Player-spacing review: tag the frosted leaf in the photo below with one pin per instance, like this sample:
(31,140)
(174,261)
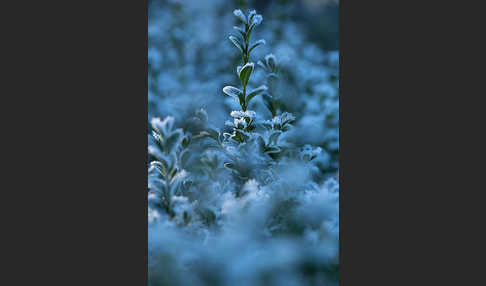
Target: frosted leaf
(173,141)
(245,73)
(241,35)
(256,44)
(235,42)
(271,61)
(241,30)
(159,166)
(308,152)
(157,136)
(235,93)
(240,123)
(179,176)
(232,91)
(272,150)
(237,113)
(286,117)
(243,114)
(273,138)
(262,65)
(163,126)
(280,121)
(153,151)
(242,133)
(257,19)
(255,92)
(238,13)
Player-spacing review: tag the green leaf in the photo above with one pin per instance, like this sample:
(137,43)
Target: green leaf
(245,73)
(235,93)
(255,92)
(237,44)
(259,42)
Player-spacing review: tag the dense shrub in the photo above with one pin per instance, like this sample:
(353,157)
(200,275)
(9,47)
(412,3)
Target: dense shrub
(243,152)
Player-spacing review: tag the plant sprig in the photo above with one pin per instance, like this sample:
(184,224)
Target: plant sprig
(242,42)
(243,121)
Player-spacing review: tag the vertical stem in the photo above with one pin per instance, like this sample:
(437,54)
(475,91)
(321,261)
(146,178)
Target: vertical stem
(246,56)
(244,96)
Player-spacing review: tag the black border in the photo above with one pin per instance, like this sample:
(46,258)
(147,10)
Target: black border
(77,86)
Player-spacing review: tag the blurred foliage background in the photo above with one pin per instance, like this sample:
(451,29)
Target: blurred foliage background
(223,214)
(320,18)
(191,60)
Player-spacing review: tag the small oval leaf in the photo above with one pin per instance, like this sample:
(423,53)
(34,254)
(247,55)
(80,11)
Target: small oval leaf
(256,20)
(245,73)
(232,91)
(238,13)
(271,61)
(240,31)
(235,93)
(255,92)
(237,44)
(256,44)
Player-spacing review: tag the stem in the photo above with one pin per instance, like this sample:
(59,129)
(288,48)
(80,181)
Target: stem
(246,56)
(243,107)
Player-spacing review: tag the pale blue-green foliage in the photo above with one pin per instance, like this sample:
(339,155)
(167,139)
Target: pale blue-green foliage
(243,150)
